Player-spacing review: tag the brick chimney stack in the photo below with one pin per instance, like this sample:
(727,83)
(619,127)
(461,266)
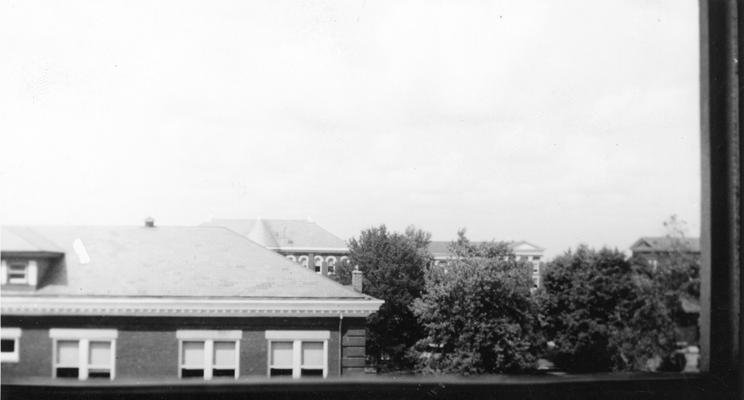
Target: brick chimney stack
(149,222)
(357,279)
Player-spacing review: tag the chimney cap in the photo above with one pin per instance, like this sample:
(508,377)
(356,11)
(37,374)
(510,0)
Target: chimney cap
(149,222)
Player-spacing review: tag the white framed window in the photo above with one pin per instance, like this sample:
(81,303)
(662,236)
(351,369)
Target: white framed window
(84,353)
(304,261)
(208,354)
(318,263)
(292,258)
(297,353)
(344,260)
(10,340)
(19,272)
(331,261)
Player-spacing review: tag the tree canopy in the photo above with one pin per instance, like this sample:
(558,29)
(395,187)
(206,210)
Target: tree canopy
(602,314)
(477,312)
(393,265)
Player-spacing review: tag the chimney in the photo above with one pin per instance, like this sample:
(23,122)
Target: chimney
(149,222)
(357,279)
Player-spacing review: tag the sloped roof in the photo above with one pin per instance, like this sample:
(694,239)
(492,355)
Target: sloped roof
(283,234)
(24,240)
(169,261)
(649,244)
(439,249)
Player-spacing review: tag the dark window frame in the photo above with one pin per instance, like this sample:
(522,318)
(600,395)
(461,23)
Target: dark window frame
(722,320)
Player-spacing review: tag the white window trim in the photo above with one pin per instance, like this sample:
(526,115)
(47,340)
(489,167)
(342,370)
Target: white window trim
(304,261)
(30,276)
(297,338)
(331,262)
(13,334)
(208,337)
(298,335)
(292,258)
(84,337)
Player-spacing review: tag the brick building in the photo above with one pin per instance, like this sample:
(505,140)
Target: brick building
(162,303)
(654,249)
(665,250)
(301,241)
(523,250)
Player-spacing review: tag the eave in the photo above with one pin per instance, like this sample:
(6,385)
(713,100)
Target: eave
(175,307)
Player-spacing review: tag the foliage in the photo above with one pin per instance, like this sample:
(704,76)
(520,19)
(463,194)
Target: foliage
(676,273)
(477,312)
(393,265)
(680,269)
(603,314)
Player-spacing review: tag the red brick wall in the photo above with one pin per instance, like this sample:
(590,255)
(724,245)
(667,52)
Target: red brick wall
(148,348)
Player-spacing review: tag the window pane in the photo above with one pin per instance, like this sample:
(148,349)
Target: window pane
(281,372)
(193,353)
(223,372)
(312,353)
(67,353)
(99,353)
(67,372)
(312,372)
(281,354)
(99,373)
(224,354)
(8,346)
(17,268)
(192,373)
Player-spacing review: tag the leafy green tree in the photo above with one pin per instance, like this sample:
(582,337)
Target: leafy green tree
(603,314)
(676,273)
(679,269)
(393,265)
(477,312)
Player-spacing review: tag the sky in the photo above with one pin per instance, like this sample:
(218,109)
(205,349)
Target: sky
(558,123)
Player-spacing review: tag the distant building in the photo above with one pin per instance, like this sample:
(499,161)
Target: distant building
(301,241)
(154,303)
(656,250)
(523,250)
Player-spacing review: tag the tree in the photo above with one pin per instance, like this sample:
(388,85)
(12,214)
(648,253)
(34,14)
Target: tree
(676,273)
(680,268)
(603,314)
(477,312)
(393,265)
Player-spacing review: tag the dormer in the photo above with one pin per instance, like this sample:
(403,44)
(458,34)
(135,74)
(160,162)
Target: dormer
(24,271)
(25,258)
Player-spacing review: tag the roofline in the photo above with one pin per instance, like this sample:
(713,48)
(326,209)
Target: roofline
(32,253)
(311,249)
(180,307)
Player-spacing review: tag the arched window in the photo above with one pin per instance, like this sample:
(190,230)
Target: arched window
(331,261)
(292,258)
(304,260)
(318,262)
(344,260)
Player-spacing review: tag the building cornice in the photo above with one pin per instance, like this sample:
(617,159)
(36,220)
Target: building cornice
(178,307)
(339,250)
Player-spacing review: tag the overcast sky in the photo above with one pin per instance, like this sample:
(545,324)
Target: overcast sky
(557,122)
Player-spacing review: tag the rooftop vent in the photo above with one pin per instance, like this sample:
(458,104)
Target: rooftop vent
(149,222)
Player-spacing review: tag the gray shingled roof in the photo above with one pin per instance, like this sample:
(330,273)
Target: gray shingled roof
(650,244)
(168,261)
(283,234)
